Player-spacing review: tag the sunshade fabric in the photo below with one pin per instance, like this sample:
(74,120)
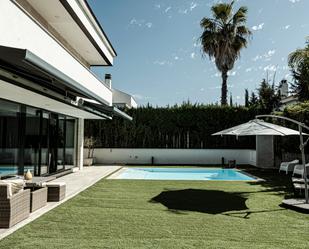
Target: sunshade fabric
(258,127)
(108,110)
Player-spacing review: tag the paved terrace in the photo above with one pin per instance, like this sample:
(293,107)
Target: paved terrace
(75,183)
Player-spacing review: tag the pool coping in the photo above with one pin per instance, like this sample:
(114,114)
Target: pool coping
(114,176)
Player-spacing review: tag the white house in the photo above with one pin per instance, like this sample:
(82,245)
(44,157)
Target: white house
(47,89)
(286,99)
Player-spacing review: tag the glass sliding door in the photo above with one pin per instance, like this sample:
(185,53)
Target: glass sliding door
(70,141)
(61,143)
(9,137)
(35,139)
(45,157)
(32,140)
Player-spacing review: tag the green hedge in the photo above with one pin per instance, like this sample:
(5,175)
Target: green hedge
(186,126)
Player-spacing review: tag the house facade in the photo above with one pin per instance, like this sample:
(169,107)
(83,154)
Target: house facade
(47,89)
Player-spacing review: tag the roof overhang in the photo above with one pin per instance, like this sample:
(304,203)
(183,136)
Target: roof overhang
(77,25)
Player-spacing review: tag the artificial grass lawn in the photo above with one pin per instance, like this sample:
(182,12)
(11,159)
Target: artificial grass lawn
(188,214)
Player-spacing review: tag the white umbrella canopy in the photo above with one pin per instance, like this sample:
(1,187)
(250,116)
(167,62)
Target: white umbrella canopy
(258,127)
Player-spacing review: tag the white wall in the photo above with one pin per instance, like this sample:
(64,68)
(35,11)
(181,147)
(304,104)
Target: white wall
(172,156)
(124,99)
(20,31)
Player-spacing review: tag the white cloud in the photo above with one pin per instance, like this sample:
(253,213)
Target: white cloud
(193,55)
(233,73)
(163,63)
(294,1)
(287,26)
(185,11)
(271,68)
(148,24)
(258,57)
(167,9)
(258,27)
(140,23)
(249,69)
(193,6)
(267,56)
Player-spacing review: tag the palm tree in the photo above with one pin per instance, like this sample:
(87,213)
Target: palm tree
(223,37)
(300,56)
(299,63)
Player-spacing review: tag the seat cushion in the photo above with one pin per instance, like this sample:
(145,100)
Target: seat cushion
(13,186)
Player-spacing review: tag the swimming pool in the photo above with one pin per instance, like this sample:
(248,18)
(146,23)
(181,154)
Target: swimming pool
(198,174)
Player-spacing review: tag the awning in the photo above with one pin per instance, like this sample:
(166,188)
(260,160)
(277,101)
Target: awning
(30,66)
(108,110)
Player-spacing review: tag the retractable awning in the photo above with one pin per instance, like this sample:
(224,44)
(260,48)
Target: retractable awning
(30,66)
(24,63)
(108,110)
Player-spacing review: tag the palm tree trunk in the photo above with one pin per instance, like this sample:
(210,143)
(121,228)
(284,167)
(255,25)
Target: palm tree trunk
(224,88)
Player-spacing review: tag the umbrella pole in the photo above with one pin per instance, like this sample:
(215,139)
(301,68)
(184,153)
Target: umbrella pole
(302,148)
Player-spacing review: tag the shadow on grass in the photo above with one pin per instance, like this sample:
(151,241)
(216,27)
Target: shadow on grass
(203,201)
(274,182)
(207,201)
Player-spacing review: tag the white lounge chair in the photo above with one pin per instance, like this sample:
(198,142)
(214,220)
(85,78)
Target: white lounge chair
(299,170)
(299,185)
(288,166)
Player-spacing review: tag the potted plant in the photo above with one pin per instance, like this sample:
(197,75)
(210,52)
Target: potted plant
(89,143)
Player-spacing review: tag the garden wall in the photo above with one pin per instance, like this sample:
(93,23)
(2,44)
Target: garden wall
(174,156)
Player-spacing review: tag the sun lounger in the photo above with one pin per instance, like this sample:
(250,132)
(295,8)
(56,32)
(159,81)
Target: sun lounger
(299,185)
(299,170)
(288,166)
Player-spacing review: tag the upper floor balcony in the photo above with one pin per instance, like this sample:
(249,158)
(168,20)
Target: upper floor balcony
(70,45)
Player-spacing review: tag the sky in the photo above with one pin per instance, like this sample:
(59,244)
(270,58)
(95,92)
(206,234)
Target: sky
(159,57)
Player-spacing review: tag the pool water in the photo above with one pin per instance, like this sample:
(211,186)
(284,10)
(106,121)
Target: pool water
(198,174)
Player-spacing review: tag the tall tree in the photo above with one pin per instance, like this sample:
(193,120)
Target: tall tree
(224,35)
(299,63)
(268,98)
(246,98)
(253,99)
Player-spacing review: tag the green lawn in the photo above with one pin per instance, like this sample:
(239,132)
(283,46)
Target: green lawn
(170,214)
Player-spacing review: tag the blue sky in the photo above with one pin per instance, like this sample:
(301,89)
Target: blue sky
(159,59)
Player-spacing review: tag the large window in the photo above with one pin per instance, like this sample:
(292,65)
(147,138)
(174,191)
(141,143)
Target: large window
(34,139)
(9,137)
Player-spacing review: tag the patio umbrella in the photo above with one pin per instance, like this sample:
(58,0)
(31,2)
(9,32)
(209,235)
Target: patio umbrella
(257,127)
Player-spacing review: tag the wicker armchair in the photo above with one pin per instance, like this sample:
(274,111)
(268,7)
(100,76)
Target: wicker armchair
(15,208)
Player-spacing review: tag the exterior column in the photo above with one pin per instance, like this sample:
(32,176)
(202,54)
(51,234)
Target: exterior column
(80,144)
(265,157)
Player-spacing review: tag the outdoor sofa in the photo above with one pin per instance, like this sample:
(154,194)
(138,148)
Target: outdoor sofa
(14,203)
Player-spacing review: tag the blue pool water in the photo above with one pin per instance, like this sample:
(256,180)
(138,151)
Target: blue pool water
(6,170)
(198,174)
